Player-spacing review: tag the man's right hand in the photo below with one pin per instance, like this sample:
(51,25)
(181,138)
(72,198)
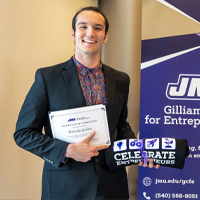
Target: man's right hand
(82,151)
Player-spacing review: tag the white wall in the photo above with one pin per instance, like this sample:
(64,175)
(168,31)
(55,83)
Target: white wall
(33,34)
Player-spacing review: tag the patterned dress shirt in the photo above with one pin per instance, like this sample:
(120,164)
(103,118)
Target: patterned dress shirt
(93,85)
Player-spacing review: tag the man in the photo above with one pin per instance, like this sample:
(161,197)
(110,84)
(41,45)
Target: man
(77,171)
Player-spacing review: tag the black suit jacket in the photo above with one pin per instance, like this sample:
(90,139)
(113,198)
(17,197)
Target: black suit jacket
(58,88)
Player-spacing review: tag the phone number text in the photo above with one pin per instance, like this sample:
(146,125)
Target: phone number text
(175,196)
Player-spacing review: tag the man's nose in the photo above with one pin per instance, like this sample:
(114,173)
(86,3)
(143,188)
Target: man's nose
(90,32)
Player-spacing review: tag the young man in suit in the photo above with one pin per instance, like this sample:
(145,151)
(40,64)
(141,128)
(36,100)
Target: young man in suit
(77,171)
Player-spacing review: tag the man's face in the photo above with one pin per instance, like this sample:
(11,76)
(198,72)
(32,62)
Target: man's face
(90,33)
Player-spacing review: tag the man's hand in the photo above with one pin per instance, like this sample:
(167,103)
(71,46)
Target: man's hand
(150,164)
(82,151)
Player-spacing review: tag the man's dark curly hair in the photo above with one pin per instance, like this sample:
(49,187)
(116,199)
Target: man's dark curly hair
(90,8)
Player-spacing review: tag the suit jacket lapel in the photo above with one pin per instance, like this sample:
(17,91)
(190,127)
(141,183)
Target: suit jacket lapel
(110,86)
(71,78)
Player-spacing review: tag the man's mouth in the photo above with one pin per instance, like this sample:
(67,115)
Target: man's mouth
(90,41)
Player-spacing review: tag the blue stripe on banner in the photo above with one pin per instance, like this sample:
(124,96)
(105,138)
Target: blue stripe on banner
(190,7)
(156,48)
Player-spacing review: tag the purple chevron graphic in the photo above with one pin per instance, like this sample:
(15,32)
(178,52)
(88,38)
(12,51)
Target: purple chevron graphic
(190,7)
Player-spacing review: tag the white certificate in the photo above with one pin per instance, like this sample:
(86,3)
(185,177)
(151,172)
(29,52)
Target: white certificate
(75,124)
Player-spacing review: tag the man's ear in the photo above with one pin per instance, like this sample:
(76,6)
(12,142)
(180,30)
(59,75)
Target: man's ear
(73,35)
(106,38)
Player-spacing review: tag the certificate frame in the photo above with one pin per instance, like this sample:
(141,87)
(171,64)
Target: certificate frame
(73,125)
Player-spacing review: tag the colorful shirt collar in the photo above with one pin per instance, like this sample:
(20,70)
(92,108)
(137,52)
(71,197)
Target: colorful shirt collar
(83,70)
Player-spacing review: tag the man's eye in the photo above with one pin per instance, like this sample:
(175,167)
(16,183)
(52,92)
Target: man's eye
(83,27)
(97,28)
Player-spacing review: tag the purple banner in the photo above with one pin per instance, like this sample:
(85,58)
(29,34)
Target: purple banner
(170,107)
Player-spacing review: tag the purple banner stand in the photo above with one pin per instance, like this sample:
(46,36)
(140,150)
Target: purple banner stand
(170,107)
